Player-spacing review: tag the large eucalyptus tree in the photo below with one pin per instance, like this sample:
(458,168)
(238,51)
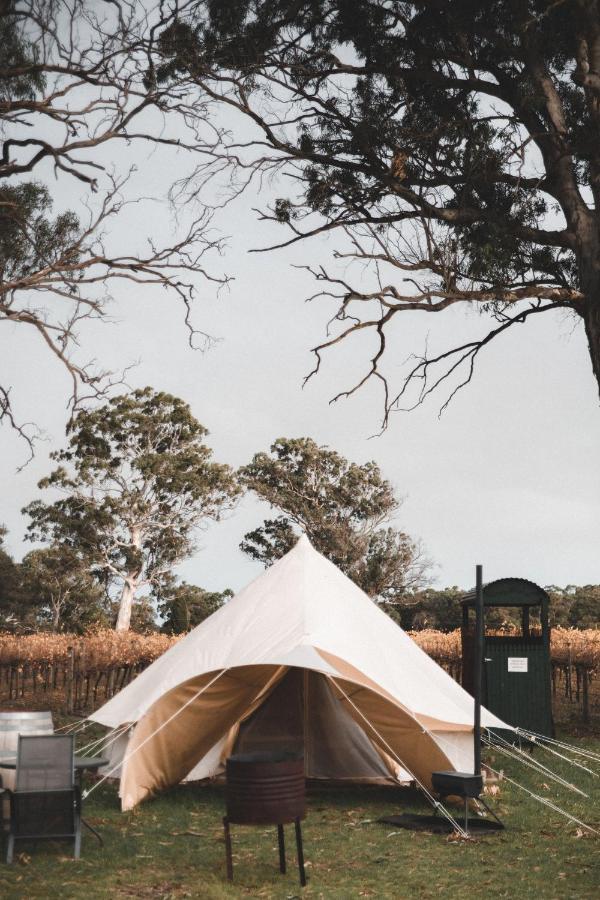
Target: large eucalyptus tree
(344,508)
(135,483)
(454,143)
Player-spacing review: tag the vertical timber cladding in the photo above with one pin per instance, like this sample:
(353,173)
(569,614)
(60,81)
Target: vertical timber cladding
(516,682)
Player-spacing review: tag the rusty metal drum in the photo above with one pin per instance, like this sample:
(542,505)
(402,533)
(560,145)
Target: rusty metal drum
(265,788)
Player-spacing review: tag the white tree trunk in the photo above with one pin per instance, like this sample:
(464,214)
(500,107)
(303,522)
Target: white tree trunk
(126,604)
(56,605)
(130,587)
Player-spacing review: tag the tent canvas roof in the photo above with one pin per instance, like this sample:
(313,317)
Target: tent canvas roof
(303,611)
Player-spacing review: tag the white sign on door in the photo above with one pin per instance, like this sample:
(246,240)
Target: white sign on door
(517,663)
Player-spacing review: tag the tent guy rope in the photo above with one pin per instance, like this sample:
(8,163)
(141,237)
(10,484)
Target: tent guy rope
(502,746)
(73,727)
(128,756)
(100,745)
(541,739)
(543,800)
(572,762)
(437,805)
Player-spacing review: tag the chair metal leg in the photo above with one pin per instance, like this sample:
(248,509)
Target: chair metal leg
(77,845)
(228,853)
(281,842)
(10,846)
(300,852)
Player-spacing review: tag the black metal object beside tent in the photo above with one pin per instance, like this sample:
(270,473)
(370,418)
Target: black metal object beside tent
(466,785)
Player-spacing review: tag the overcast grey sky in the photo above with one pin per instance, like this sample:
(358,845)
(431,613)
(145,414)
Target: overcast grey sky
(508,476)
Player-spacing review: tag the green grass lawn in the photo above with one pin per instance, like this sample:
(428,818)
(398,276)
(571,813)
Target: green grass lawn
(173,847)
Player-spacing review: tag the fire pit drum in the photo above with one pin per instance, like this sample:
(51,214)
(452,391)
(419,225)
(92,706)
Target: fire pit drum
(265,789)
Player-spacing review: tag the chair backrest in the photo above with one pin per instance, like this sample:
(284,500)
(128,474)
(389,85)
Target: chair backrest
(45,762)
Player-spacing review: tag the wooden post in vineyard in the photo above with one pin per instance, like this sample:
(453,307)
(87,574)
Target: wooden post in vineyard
(70,675)
(585,675)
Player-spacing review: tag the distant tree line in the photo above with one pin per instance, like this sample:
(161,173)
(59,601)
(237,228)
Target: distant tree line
(136,483)
(574,606)
(50,590)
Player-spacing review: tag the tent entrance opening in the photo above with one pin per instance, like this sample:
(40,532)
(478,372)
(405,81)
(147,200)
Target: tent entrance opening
(302,715)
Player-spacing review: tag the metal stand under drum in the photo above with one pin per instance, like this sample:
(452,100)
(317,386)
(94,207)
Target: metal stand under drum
(281,844)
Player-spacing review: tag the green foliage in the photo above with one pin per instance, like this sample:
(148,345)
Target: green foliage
(179,620)
(341,506)
(183,606)
(570,607)
(143,616)
(10,588)
(136,481)
(29,240)
(575,606)
(585,608)
(74,78)
(59,590)
(173,846)
(429,608)
(18,78)
(403,94)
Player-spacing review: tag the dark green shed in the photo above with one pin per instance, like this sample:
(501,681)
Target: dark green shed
(516,672)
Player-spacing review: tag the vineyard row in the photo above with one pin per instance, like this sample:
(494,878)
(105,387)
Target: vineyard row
(81,673)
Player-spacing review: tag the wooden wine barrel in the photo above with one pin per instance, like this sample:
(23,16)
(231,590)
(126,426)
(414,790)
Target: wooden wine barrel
(265,788)
(14,723)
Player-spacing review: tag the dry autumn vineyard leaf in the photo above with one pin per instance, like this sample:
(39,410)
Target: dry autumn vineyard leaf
(106,649)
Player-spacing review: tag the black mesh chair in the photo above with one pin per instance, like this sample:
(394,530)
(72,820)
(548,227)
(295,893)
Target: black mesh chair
(46,801)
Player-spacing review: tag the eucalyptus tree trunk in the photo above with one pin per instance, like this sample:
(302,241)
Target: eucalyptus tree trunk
(56,605)
(592,329)
(589,272)
(132,579)
(126,603)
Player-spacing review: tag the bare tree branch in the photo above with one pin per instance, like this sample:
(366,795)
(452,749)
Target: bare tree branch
(75,77)
(459,163)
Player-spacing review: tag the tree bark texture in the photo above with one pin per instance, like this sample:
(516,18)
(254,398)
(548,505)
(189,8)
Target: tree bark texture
(132,579)
(126,604)
(592,330)
(589,273)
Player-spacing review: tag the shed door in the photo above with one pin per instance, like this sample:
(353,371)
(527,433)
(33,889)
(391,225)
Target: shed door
(517,681)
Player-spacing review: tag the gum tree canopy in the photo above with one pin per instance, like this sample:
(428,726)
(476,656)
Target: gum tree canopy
(456,143)
(344,508)
(136,482)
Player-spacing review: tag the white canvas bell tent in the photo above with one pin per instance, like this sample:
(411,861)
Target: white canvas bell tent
(301,659)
